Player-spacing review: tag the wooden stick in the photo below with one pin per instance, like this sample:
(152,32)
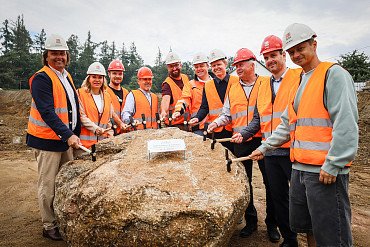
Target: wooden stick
(85,149)
(223,139)
(240,159)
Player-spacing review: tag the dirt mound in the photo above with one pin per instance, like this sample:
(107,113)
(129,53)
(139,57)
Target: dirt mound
(14,111)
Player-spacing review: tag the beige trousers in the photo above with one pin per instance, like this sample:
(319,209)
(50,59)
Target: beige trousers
(49,164)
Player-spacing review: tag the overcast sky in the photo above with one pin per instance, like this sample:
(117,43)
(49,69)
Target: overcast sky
(195,26)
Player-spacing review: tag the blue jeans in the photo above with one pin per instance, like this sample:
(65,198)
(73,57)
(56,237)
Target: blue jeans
(323,210)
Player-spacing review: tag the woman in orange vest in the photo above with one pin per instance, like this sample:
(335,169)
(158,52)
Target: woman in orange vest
(95,107)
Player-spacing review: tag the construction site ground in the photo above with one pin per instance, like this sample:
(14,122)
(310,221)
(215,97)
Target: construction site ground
(20,223)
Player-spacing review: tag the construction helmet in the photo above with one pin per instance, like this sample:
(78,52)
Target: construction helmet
(200,58)
(215,55)
(243,54)
(295,34)
(96,68)
(116,64)
(55,42)
(172,58)
(144,72)
(271,43)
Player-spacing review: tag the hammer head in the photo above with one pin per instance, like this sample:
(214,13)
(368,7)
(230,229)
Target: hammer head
(132,122)
(93,153)
(158,120)
(114,126)
(228,165)
(213,141)
(205,132)
(170,118)
(143,118)
(186,115)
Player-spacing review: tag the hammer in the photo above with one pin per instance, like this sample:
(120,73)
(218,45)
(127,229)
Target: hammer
(132,123)
(214,140)
(143,118)
(92,152)
(230,161)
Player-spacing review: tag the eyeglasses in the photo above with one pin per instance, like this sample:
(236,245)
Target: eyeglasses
(173,66)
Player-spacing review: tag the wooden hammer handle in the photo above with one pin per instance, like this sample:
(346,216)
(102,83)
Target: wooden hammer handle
(224,139)
(241,159)
(85,149)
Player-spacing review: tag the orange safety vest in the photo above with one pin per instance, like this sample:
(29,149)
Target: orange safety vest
(242,107)
(176,95)
(214,102)
(269,112)
(192,98)
(116,104)
(311,127)
(36,125)
(87,137)
(142,106)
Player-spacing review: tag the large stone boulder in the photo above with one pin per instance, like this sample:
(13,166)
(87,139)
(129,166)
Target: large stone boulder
(125,199)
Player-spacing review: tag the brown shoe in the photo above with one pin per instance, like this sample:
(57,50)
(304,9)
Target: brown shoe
(52,234)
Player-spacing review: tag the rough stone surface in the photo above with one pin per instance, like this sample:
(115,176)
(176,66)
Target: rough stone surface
(124,199)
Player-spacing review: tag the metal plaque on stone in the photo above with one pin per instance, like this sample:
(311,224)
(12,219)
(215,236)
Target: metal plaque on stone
(168,145)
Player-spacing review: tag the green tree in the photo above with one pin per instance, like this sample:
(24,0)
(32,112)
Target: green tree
(7,37)
(87,57)
(187,69)
(73,45)
(159,72)
(357,64)
(39,42)
(134,63)
(105,55)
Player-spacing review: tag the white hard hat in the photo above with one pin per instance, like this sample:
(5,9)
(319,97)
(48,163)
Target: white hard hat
(55,42)
(295,34)
(200,58)
(215,55)
(96,68)
(172,58)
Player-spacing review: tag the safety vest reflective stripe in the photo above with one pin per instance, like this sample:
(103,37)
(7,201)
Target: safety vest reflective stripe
(319,146)
(90,138)
(275,115)
(314,122)
(215,111)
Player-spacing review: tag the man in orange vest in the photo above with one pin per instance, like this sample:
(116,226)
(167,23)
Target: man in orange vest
(53,126)
(191,97)
(239,105)
(321,124)
(213,97)
(272,101)
(116,91)
(172,89)
(141,104)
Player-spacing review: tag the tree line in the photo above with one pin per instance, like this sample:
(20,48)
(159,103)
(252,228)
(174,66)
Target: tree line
(20,57)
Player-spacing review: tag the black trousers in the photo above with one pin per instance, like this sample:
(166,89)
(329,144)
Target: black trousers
(244,149)
(278,171)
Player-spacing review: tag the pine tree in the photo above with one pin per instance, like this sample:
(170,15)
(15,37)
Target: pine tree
(7,37)
(40,42)
(357,64)
(73,46)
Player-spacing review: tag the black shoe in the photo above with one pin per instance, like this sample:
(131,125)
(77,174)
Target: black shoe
(273,234)
(247,231)
(52,234)
(292,243)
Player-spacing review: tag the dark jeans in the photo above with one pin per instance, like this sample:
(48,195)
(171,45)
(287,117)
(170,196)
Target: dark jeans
(244,149)
(323,210)
(278,171)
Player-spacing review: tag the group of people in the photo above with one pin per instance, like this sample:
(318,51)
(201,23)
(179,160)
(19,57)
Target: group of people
(300,125)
